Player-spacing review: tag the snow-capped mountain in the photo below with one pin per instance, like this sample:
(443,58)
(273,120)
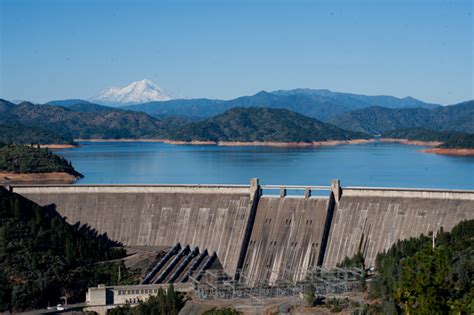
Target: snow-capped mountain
(137,92)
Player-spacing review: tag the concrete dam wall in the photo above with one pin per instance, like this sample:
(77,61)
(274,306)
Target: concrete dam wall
(210,217)
(267,238)
(371,220)
(286,239)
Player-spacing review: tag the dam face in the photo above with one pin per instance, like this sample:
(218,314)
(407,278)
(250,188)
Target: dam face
(263,239)
(285,240)
(372,220)
(212,218)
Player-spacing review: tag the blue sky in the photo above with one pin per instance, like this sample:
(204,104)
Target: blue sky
(224,49)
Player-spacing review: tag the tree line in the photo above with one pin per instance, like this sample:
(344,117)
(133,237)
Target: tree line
(25,159)
(43,258)
(419,276)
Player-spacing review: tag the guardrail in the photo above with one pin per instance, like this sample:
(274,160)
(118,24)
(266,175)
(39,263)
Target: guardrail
(307,190)
(295,187)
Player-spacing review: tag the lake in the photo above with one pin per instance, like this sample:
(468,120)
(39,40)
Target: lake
(371,164)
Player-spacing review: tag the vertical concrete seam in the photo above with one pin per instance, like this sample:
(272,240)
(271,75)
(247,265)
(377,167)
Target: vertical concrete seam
(327,229)
(248,230)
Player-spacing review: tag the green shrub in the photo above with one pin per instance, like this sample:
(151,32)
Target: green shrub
(165,302)
(222,311)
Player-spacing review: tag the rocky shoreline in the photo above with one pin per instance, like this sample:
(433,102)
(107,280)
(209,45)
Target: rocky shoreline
(239,143)
(54,146)
(37,178)
(294,144)
(455,152)
(119,140)
(412,142)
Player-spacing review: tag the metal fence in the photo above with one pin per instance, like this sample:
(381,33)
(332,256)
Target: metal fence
(216,285)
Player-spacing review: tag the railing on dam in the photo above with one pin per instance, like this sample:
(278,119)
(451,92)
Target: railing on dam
(110,188)
(295,190)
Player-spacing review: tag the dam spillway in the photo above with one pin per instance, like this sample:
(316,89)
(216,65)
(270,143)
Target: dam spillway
(286,238)
(260,238)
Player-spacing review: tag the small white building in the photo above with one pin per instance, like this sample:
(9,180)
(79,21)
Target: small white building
(128,294)
(102,298)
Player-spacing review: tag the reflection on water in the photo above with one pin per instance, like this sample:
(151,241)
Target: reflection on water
(372,164)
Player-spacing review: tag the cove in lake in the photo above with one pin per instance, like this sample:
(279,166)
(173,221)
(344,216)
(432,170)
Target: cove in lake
(371,164)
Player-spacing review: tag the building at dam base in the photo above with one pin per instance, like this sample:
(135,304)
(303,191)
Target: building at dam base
(259,238)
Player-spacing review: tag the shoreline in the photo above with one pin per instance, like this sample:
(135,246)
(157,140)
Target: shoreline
(238,143)
(294,144)
(453,152)
(119,140)
(37,178)
(54,146)
(431,144)
(411,142)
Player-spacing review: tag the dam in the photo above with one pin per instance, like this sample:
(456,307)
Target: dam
(260,234)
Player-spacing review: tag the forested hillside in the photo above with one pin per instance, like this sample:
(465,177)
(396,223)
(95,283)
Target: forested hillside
(86,120)
(423,134)
(462,142)
(261,124)
(26,159)
(376,120)
(43,258)
(414,277)
(450,139)
(14,132)
(94,121)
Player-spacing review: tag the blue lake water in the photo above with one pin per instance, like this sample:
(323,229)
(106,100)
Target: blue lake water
(373,164)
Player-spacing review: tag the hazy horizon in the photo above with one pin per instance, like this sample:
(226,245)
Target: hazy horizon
(61,50)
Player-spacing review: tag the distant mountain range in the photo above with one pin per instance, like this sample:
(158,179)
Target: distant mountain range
(81,106)
(350,99)
(315,114)
(134,93)
(374,120)
(319,104)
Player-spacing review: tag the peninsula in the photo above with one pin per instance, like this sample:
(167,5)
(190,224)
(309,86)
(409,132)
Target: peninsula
(25,164)
(443,142)
(461,146)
